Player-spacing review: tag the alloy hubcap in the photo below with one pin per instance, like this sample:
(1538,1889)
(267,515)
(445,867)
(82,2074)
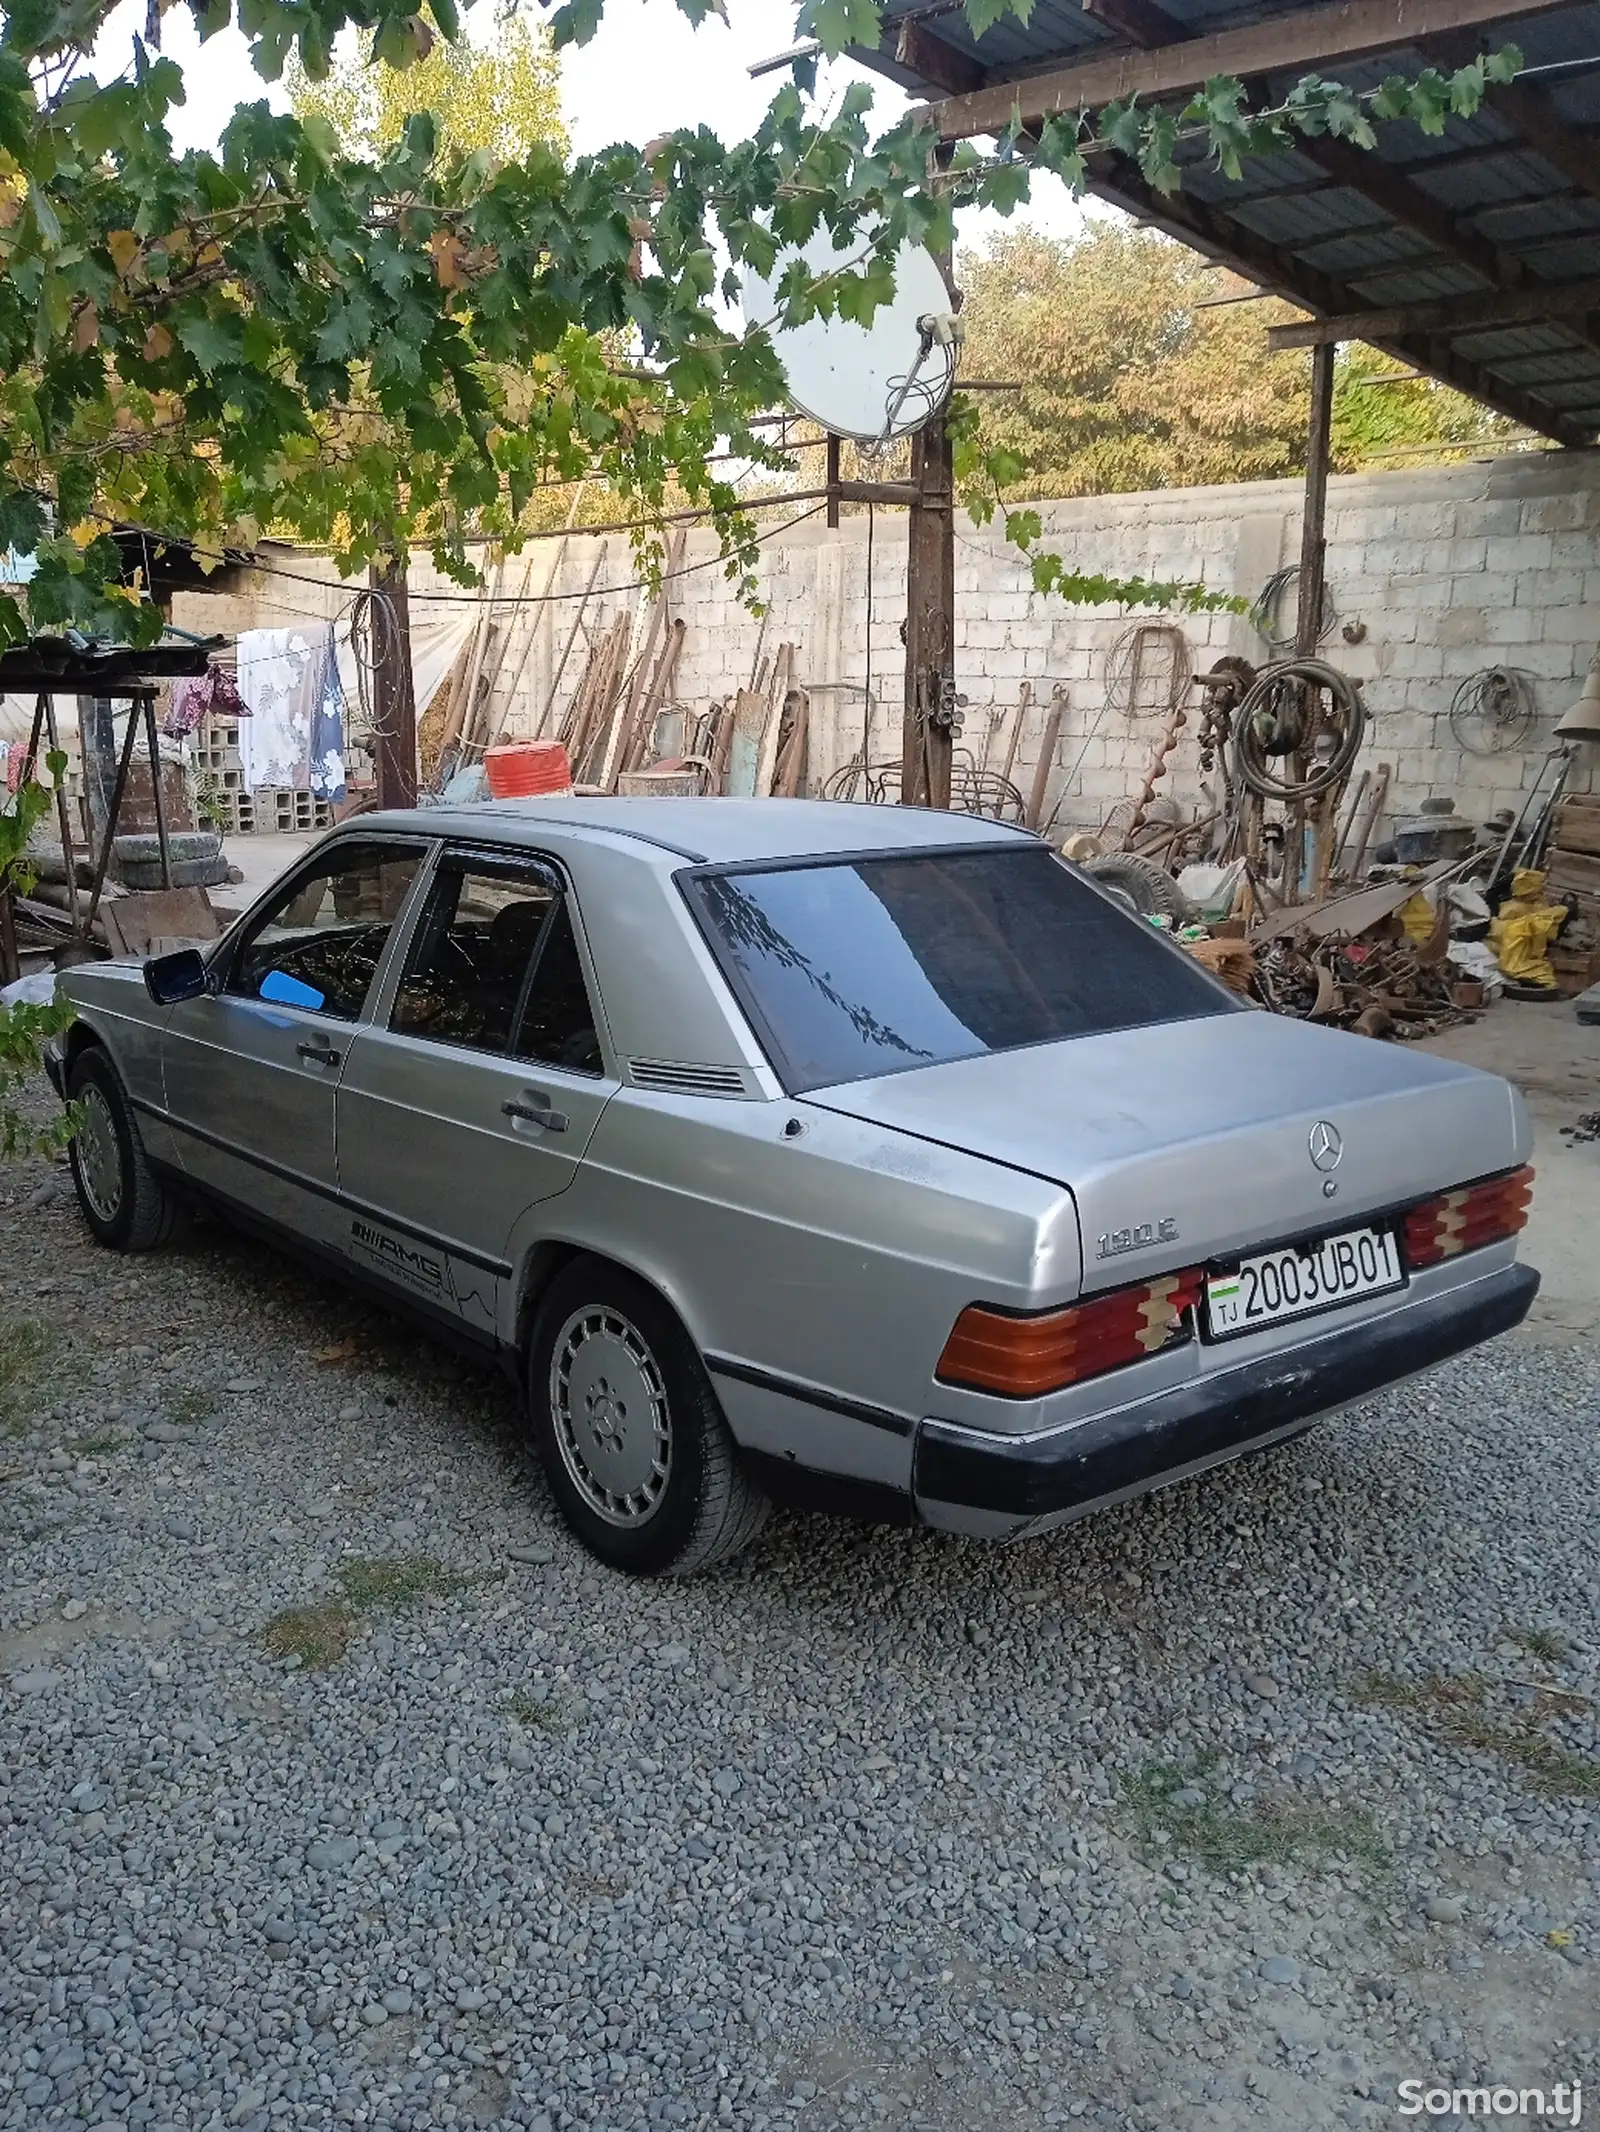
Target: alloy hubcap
(98,1156)
(609,1405)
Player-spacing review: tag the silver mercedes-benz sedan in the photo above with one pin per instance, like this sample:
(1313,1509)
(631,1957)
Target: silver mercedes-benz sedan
(850,1156)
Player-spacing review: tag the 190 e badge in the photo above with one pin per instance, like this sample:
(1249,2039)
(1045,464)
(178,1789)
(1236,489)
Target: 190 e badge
(1139,1238)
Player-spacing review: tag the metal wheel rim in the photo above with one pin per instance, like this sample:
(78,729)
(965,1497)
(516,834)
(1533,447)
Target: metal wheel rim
(613,1427)
(98,1156)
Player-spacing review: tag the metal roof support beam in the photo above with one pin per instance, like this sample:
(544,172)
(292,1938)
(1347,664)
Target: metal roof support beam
(1543,129)
(1364,172)
(1308,38)
(1196,224)
(1448,315)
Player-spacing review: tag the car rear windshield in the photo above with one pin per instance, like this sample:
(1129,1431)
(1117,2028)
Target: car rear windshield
(852,968)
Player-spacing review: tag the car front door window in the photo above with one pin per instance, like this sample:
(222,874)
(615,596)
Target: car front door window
(319,945)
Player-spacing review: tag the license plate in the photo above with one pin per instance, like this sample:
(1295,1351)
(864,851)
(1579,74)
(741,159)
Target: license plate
(1301,1279)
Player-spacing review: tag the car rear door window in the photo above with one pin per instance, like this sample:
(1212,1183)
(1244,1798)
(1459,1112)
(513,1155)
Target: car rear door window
(495,967)
(852,968)
(318,945)
(472,955)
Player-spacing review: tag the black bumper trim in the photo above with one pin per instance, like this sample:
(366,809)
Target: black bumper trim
(1213,1417)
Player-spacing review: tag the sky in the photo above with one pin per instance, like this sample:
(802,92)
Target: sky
(645,72)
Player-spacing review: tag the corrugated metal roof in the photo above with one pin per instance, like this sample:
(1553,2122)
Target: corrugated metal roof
(1499,202)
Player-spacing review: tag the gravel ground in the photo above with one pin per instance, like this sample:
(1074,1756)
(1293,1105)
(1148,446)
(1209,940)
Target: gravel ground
(337,1786)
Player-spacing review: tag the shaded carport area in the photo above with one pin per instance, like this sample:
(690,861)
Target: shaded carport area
(1472,255)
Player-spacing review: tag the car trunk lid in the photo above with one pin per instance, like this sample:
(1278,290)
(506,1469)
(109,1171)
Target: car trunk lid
(1192,1140)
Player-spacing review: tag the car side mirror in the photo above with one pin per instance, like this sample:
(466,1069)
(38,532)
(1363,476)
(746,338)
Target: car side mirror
(178,976)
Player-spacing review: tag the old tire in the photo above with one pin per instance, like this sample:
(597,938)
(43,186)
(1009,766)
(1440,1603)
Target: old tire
(629,1430)
(122,1199)
(1148,890)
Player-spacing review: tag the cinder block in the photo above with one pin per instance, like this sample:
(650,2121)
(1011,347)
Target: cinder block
(1553,514)
(1579,623)
(1425,521)
(1549,590)
(1527,551)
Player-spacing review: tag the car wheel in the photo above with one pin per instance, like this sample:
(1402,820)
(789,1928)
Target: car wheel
(629,1429)
(122,1200)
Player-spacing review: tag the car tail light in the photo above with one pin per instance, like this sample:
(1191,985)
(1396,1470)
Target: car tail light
(1466,1219)
(995,1351)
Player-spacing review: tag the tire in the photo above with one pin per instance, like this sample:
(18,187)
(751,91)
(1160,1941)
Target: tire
(122,1200)
(1148,890)
(629,1430)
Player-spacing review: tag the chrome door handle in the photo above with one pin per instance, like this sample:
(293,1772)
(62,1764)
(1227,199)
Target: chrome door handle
(535,1110)
(317,1051)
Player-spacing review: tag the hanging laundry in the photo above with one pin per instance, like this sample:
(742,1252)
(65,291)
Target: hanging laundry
(195,698)
(290,681)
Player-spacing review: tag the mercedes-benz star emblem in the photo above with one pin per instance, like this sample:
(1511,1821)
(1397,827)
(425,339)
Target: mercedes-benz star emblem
(1326,1144)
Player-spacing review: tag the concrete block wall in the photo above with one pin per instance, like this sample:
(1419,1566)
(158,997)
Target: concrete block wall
(1445,571)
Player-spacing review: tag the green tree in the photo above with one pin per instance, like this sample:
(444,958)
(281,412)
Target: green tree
(283,333)
(1131,379)
(501,99)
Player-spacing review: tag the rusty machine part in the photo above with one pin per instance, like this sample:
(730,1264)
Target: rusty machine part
(1222,691)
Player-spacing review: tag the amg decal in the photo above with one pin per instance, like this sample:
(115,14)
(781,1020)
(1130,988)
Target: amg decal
(410,1263)
(1139,1238)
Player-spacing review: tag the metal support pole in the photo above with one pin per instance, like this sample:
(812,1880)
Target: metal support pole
(124,763)
(155,788)
(394,702)
(927,733)
(1313,531)
(1310,587)
(68,853)
(833,479)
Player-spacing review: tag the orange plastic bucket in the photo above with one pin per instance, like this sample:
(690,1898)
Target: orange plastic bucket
(522,769)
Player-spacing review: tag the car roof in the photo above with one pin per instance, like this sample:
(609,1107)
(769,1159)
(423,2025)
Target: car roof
(715,831)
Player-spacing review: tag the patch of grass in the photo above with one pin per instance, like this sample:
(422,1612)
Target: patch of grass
(97,1446)
(397,1580)
(322,1632)
(316,1635)
(1456,1707)
(537,1716)
(27,1350)
(1543,1644)
(1226,1839)
(194,1405)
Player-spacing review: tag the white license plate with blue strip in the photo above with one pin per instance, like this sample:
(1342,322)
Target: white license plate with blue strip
(1299,1280)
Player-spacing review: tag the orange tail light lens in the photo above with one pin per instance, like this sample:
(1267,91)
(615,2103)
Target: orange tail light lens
(991,1351)
(1467,1219)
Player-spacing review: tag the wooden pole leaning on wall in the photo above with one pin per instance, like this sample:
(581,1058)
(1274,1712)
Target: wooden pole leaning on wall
(394,703)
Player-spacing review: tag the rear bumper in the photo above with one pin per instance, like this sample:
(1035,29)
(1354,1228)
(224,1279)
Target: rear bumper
(969,1480)
(55,1066)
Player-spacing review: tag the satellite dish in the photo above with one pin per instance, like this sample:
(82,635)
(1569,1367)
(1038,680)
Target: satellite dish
(868,382)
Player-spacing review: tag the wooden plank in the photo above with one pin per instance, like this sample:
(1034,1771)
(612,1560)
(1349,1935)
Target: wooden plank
(1574,870)
(1453,314)
(749,725)
(766,766)
(1311,37)
(1578,828)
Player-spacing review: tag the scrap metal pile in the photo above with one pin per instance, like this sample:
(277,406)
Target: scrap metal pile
(1375,987)
(1280,880)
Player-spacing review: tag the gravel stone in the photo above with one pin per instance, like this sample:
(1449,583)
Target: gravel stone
(873,1829)
(36,1680)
